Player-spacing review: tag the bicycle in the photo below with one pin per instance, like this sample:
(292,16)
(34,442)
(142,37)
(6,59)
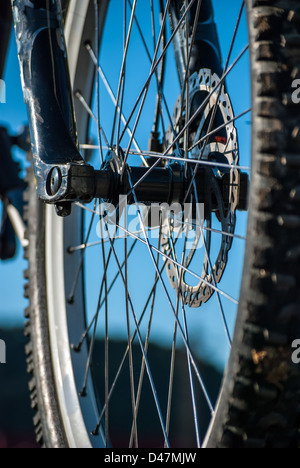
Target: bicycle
(193,159)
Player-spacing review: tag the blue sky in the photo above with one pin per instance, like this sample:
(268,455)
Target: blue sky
(13,114)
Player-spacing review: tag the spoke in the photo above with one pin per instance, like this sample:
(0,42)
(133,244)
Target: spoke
(90,355)
(81,99)
(146,86)
(123,78)
(191,378)
(156,65)
(235,34)
(201,107)
(180,298)
(75,282)
(143,366)
(187,93)
(234,301)
(152,292)
(85,334)
(207,99)
(191,161)
(179,159)
(98,81)
(131,369)
(172,370)
(132,339)
(92,344)
(145,92)
(143,350)
(205,228)
(150,247)
(114,101)
(213,275)
(91,348)
(122,72)
(221,127)
(159,81)
(231,299)
(213,116)
(95,244)
(106,371)
(106,352)
(135,234)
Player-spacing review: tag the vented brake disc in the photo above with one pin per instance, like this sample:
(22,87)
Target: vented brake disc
(223,149)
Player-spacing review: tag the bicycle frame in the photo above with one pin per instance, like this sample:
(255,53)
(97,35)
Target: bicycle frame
(62,174)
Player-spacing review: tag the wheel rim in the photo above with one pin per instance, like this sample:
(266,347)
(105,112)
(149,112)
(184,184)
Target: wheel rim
(70,320)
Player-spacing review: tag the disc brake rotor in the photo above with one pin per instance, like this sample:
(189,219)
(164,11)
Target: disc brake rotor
(215,149)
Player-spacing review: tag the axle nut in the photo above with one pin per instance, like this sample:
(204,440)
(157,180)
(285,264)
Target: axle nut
(54,181)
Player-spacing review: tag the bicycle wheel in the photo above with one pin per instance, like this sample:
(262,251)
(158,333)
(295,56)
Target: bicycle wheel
(120,304)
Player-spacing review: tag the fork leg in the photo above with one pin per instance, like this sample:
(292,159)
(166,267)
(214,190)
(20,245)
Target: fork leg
(48,96)
(206,48)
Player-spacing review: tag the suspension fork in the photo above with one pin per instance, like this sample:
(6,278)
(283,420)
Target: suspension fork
(62,175)
(205,48)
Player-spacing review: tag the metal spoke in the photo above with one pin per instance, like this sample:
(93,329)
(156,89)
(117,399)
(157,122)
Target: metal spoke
(96,244)
(152,292)
(145,92)
(81,99)
(131,234)
(181,299)
(191,161)
(158,61)
(147,342)
(97,80)
(85,334)
(159,80)
(213,275)
(181,267)
(150,247)
(207,99)
(76,279)
(165,157)
(142,348)
(221,127)
(114,101)
(122,72)
(181,133)
(131,369)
